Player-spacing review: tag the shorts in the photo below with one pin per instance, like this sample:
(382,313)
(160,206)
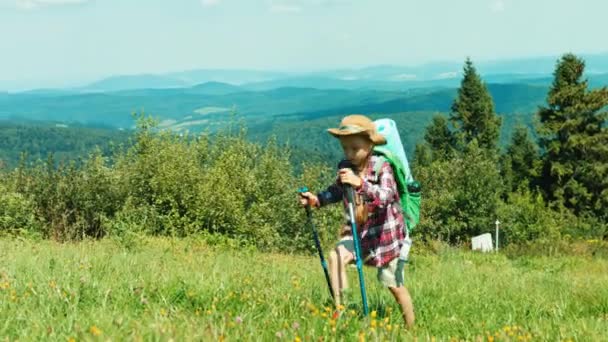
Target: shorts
(391,274)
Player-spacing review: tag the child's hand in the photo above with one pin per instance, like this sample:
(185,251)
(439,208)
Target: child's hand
(348,177)
(306,198)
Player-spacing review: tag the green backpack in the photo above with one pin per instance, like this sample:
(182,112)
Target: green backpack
(393,152)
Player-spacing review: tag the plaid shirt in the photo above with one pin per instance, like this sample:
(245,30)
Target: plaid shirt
(383,233)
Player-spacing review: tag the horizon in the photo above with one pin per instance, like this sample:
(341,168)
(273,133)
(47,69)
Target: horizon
(307,72)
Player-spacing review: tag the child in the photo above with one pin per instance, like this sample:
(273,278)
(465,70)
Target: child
(379,217)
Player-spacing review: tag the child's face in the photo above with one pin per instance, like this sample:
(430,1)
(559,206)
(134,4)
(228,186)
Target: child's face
(356,148)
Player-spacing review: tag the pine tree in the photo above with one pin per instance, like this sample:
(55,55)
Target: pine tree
(422,156)
(574,138)
(473,111)
(523,159)
(440,138)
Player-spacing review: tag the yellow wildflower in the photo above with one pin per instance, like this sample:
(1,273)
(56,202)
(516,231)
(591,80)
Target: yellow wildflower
(95,331)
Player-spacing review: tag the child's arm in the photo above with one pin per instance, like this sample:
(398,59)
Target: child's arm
(383,193)
(333,194)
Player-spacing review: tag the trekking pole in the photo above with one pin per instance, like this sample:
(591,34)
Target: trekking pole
(350,198)
(317,243)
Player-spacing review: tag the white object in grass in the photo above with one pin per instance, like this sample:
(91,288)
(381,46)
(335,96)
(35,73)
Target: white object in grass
(483,242)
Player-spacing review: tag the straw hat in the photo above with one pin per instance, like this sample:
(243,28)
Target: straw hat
(358,124)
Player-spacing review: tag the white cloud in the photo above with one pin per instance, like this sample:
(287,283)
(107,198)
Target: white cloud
(38,4)
(210,3)
(450,74)
(497,6)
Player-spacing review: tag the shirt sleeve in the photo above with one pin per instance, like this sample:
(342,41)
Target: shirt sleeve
(333,194)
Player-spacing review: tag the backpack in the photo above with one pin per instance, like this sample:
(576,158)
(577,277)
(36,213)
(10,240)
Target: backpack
(394,154)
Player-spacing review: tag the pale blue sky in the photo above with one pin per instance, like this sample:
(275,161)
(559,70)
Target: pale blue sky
(59,42)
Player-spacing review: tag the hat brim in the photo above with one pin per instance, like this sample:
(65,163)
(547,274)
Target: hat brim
(376,138)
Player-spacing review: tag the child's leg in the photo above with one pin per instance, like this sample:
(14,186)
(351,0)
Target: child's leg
(334,275)
(391,276)
(341,256)
(402,296)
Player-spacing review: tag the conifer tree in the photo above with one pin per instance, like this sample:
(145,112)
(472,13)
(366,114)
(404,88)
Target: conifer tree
(473,113)
(574,140)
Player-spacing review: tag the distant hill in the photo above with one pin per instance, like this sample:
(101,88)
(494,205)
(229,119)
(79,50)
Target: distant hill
(381,77)
(50,92)
(39,139)
(211,101)
(117,83)
(291,105)
(508,98)
(216,88)
(451,81)
(183,79)
(232,76)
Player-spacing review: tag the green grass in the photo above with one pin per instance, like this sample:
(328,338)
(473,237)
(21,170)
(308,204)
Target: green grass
(165,289)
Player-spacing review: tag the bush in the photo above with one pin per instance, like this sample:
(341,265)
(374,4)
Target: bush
(460,197)
(71,200)
(162,175)
(17,213)
(236,192)
(525,217)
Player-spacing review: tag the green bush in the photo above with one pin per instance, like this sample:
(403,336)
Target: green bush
(227,189)
(221,185)
(17,213)
(70,200)
(161,172)
(460,196)
(525,217)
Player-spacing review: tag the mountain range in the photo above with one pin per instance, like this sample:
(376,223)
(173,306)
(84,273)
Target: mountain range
(386,77)
(202,99)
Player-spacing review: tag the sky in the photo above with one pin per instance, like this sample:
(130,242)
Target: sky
(65,42)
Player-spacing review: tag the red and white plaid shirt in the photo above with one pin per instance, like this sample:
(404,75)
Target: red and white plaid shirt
(383,232)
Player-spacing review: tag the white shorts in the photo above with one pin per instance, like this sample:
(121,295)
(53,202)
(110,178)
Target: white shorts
(391,274)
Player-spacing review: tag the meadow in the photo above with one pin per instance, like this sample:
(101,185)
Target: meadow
(164,289)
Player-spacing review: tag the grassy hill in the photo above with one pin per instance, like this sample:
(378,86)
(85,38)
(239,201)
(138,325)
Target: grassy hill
(182,290)
(294,115)
(182,104)
(38,139)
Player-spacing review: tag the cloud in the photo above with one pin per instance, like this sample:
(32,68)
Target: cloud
(210,3)
(28,5)
(450,74)
(497,6)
